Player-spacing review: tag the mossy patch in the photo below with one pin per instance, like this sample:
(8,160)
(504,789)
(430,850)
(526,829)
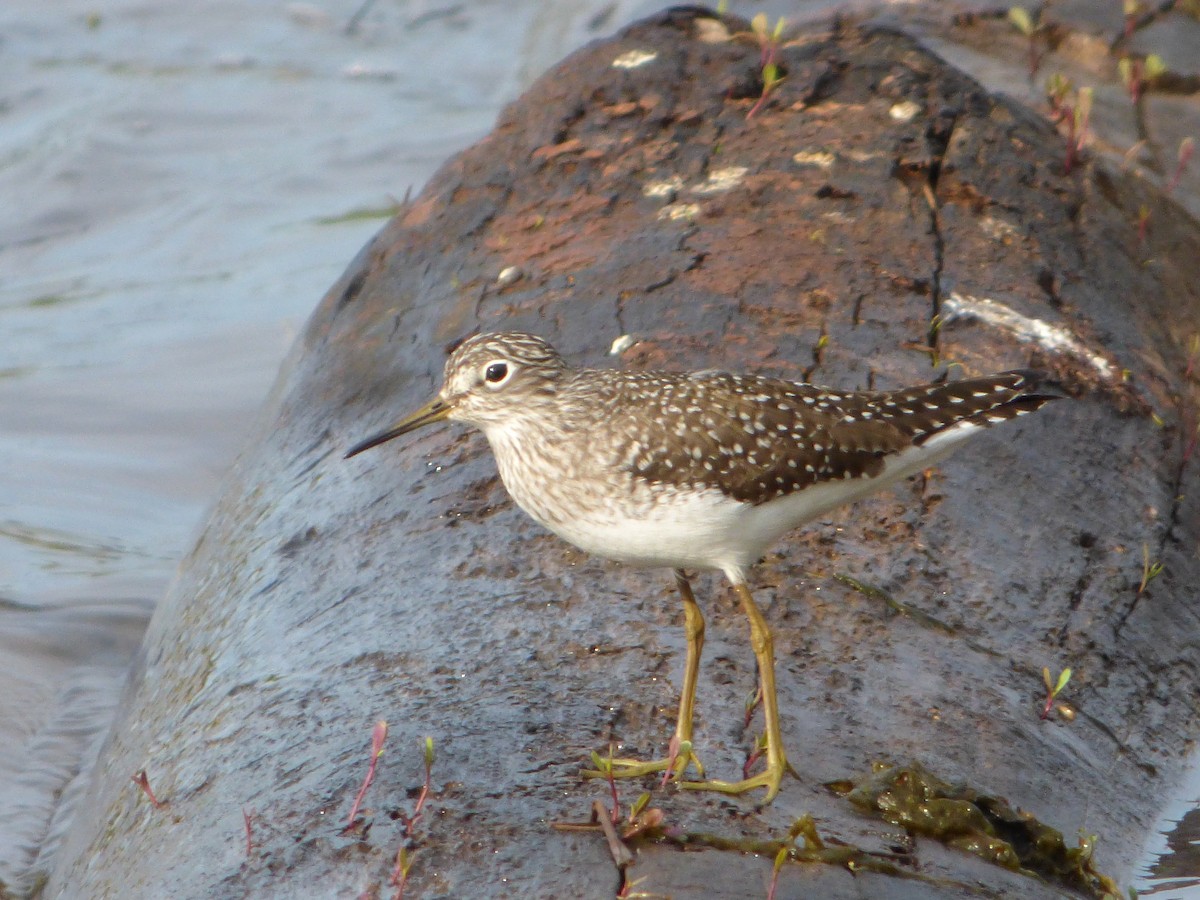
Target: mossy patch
(959,816)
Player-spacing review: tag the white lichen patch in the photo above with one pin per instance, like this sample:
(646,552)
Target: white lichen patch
(676,212)
(720,180)
(509,275)
(904,111)
(712,31)
(822,159)
(1054,338)
(632,59)
(862,156)
(621,344)
(667,187)
(838,217)
(997,229)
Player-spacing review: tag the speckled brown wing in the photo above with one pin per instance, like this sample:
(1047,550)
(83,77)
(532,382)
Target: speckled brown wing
(756,439)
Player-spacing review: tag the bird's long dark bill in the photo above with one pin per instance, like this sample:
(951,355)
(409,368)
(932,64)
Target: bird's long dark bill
(433,411)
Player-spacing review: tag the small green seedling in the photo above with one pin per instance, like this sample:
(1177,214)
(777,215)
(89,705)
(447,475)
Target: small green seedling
(1072,107)
(768,38)
(600,763)
(643,818)
(769,42)
(780,859)
(410,822)
(1020,19)
(1131,9)
(1150,570)
(1077,134)
(605,766)
(1058,86)
(404,859)
(399,876)
(1143,229)
(1139,74)
(1053,689)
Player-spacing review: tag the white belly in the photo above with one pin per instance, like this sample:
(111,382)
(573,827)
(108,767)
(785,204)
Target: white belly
(708,530)
(664,526)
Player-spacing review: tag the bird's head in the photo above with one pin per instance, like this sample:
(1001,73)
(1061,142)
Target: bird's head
(489,380)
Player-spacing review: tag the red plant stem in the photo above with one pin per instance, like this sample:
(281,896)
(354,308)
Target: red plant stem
(410,822)
(616,805)
(1185,156)
(1069,160)
(1190,425)
(248,819)
(143,781)
(672,756)
(1046,708)
(1135,81)
(774,884)
(767,54)
(378,736)
(750,761)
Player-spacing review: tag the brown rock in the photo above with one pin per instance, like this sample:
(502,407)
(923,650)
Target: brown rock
(879,199)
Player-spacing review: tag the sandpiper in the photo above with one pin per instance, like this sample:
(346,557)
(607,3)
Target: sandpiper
(697,471)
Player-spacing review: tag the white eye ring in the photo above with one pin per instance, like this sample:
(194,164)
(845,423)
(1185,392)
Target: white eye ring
(496,373)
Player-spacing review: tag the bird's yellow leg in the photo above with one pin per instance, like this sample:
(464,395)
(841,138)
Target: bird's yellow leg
(681,755)
(764,652)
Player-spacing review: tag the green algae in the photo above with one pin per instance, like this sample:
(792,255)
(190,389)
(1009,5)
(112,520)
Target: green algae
(988,827)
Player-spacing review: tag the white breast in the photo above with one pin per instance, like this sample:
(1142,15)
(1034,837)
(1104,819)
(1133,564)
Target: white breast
(606,512)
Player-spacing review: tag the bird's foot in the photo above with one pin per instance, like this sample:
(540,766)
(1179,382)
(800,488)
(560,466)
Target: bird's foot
(674,765)
(770,778)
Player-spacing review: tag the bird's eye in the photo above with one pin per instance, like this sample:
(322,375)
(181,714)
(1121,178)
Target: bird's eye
(495,373)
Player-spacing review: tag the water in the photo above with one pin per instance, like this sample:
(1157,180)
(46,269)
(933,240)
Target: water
(1172,854)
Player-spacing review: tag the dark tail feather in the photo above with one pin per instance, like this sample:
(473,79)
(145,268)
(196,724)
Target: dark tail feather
(982,401)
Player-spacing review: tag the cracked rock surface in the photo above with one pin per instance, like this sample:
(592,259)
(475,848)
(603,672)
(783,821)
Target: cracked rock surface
(840,234)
